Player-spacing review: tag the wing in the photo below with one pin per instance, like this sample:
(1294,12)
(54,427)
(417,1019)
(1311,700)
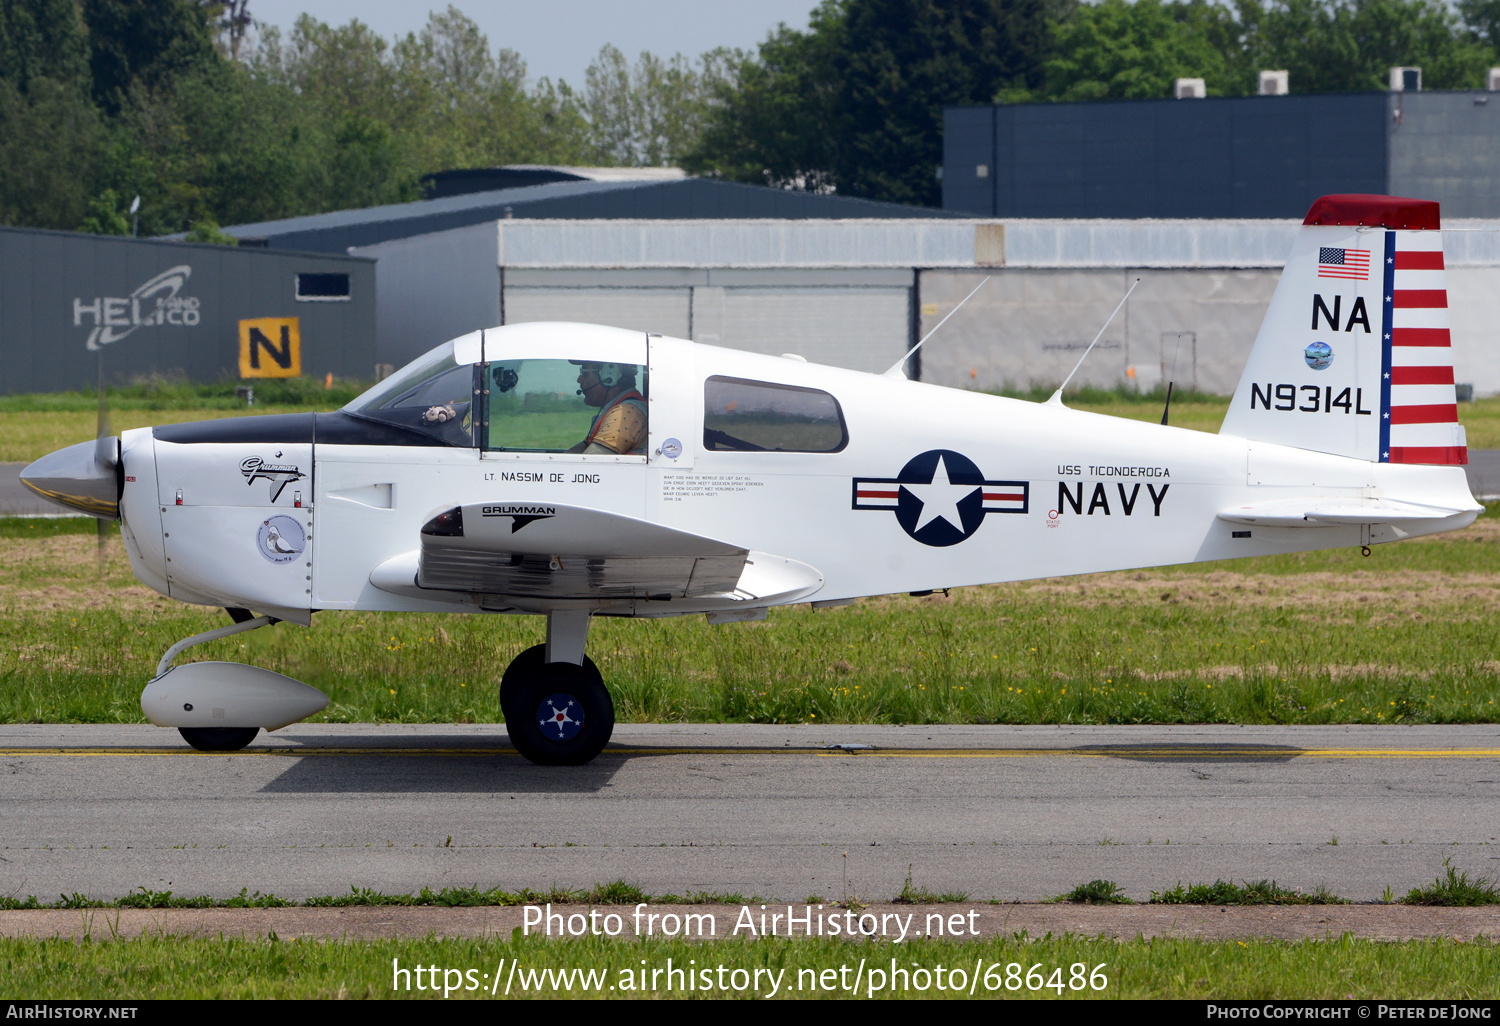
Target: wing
(1327,512)
(550,552)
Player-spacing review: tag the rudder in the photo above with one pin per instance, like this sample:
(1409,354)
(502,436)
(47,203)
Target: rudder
(1354,356)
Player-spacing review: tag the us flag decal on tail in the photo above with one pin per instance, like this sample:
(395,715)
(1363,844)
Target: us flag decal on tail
(1334,262)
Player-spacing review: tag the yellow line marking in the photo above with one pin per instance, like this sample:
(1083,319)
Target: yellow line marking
(1157,753)
(1181,753)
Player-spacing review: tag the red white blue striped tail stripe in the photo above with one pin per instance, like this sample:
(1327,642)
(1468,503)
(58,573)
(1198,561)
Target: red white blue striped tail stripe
(1420,423)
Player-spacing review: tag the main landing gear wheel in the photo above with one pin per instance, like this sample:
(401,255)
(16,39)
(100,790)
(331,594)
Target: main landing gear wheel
(526,666)
(558,714)
(218,739)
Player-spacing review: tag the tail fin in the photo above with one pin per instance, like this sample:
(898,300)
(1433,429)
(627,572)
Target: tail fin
(1354,356)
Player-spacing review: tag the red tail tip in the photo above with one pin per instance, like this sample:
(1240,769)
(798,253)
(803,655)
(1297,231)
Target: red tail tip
(1363,210)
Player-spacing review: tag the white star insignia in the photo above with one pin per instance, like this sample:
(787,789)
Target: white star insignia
(940,498)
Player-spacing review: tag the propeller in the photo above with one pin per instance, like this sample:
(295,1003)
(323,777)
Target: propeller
(106,453)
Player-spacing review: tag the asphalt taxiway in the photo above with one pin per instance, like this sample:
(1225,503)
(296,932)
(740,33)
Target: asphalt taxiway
(1012,813)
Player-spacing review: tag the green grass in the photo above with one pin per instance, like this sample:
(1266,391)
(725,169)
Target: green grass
(618,892)
(33,425)
(911,894)
(1405,636)
(1261,892)
(51,527)
(1454,888)
(1204,411)
(157,966)
(172,394)
(1096,892)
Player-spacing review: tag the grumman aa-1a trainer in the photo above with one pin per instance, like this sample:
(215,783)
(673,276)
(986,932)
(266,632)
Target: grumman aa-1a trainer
(574,471)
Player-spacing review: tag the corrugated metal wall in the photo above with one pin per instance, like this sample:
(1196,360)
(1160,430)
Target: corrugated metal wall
(1253,156)
(841,292)
(1446,147)
(57,288)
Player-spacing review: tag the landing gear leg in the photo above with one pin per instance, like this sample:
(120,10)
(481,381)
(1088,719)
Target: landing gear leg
(216,739)
(557,709)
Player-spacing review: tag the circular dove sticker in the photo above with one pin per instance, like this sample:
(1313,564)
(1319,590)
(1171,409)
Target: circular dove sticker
(281,539)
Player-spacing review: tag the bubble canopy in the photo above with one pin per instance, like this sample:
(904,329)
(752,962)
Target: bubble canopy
(435,393)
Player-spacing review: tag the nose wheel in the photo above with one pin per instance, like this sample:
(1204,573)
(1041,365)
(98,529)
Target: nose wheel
(218,739)
(557,714)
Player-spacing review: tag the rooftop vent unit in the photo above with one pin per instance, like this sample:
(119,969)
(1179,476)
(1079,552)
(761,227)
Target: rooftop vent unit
(1273,83)
(1406,80)
(1189,89)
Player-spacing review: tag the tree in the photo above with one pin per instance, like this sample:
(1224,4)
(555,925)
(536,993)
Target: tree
(770,117)
(43,39)
(1351,45)
(143,44)
(1482,18)
(903,62)
(47,121)
(49,163)
(855,103)
(106,216)
(650,114)
(1120,50)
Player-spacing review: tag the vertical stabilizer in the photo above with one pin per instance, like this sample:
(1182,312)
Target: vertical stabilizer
(1354,355)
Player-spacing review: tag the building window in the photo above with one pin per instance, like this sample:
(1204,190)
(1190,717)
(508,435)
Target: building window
(758,416)
(322,288)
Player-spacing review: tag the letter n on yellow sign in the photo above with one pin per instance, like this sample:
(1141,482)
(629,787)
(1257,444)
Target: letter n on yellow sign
(270,347)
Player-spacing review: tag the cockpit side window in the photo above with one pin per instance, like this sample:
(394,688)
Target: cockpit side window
(565,406)
(433,396)
(761,416)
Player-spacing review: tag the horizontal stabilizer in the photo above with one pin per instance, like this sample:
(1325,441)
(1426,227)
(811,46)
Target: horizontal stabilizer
(1325,512)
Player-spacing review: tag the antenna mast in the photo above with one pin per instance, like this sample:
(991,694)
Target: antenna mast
(1056,399)
(896,370)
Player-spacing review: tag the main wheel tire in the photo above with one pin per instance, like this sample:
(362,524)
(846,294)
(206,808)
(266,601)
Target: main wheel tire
(525,667)
(218,739)
(561,715)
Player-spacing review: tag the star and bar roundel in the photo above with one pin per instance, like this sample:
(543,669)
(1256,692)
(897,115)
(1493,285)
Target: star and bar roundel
(940,497)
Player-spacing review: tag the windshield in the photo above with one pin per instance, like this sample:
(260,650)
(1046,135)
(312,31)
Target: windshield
(432,395)
(420,369)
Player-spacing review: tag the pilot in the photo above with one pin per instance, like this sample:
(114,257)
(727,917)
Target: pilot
(620,426)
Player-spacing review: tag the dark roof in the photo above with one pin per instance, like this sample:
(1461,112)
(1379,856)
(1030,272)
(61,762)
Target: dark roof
(174,241)
(463,181)
(682,199)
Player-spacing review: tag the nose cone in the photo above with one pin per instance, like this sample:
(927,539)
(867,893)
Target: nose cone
(85,477)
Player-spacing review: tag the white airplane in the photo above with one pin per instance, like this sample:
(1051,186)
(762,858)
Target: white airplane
(574,471)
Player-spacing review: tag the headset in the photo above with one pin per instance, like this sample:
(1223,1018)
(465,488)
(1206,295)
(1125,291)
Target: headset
(609,374)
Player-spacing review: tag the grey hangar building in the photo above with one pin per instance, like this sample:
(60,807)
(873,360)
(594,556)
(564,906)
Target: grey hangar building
(852,282)
(856,284)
